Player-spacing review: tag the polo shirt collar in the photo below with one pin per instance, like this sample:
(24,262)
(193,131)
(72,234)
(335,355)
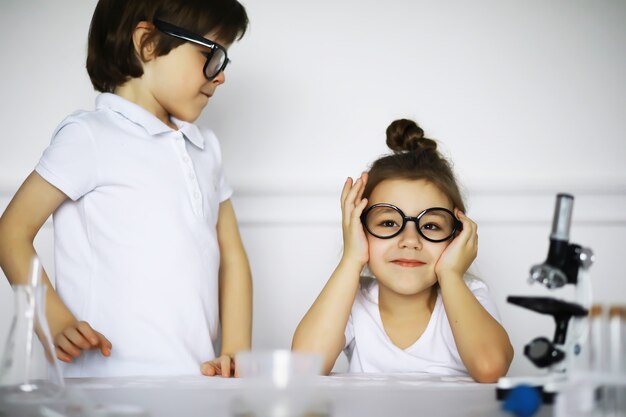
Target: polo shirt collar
(142,117)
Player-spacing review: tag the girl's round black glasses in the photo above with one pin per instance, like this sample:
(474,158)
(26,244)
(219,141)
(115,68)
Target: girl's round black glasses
(435,224)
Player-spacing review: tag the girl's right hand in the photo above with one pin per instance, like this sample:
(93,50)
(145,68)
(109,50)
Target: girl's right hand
(355,248)
(79,336)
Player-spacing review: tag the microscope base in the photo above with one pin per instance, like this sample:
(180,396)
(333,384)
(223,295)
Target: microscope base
(547,385)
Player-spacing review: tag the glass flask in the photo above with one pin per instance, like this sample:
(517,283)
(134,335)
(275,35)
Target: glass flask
(29,370)
(279,383)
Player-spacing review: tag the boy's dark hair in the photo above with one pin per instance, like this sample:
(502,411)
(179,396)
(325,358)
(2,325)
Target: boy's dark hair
(415,157)
(111,56)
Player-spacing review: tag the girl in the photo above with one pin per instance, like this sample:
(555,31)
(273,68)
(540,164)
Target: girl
(421,312)
(148,256)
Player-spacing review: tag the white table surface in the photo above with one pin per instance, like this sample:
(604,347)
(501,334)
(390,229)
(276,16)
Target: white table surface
(347,394)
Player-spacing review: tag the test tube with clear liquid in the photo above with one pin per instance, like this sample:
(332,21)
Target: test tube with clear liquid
(615,392)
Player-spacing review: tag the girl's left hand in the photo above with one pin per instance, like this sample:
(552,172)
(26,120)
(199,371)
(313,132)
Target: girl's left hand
(456,259)
(223,366)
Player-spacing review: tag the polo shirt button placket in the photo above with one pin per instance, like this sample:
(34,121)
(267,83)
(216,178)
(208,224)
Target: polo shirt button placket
(197,201)
(192,183)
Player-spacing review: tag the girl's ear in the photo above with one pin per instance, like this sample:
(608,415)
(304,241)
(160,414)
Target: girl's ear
(143,47)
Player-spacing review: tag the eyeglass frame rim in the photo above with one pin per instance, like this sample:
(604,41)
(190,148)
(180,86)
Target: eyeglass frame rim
(188,36)
(458,225)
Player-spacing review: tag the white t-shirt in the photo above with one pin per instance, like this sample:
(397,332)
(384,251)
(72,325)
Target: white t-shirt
(370,350)
(136,248)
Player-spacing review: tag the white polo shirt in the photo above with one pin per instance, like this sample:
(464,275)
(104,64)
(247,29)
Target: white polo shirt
(136,248)
(370,350)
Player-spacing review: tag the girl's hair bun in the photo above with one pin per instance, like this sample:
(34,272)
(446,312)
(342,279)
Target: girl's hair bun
(405,135)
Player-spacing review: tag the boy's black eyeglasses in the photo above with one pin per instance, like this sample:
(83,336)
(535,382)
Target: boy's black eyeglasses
(216,59)
(436,224)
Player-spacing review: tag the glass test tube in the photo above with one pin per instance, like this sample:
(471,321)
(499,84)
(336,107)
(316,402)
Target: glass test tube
(597,340)
(616,390)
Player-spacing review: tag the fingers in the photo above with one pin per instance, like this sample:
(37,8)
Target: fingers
(462,250)
(470,228)
(78,337)
(210,368)
(468,238)
(96,339)
(105,345)
(352,196)
(64,357)
(82,336)
(346,188)
(223,366)
(363,180)
(225,362)
(71,342)
(358,210)
(89,334)
(354,238)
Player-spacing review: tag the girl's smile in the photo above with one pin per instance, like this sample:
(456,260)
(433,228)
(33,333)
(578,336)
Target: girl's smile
(408,263)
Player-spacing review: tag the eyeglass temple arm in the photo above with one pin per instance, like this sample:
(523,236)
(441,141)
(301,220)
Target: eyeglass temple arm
(183,34)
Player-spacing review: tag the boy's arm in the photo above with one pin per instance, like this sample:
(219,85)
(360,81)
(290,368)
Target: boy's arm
(31,206)
(235,285)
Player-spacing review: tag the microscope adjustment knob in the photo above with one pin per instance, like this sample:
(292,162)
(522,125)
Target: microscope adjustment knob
(543,353)
(548,275)
(586,257)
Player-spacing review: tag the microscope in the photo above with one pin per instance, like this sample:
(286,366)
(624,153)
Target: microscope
(567,263)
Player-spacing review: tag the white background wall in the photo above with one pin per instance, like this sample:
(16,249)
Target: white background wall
(527,98)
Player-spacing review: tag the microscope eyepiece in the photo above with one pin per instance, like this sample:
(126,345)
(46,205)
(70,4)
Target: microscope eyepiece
(562,219)
(560,267)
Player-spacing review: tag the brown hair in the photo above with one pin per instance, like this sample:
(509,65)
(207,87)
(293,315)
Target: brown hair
(111,56)
(415,157)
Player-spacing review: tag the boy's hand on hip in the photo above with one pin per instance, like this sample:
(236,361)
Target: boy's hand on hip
(79,336)
(223,366)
